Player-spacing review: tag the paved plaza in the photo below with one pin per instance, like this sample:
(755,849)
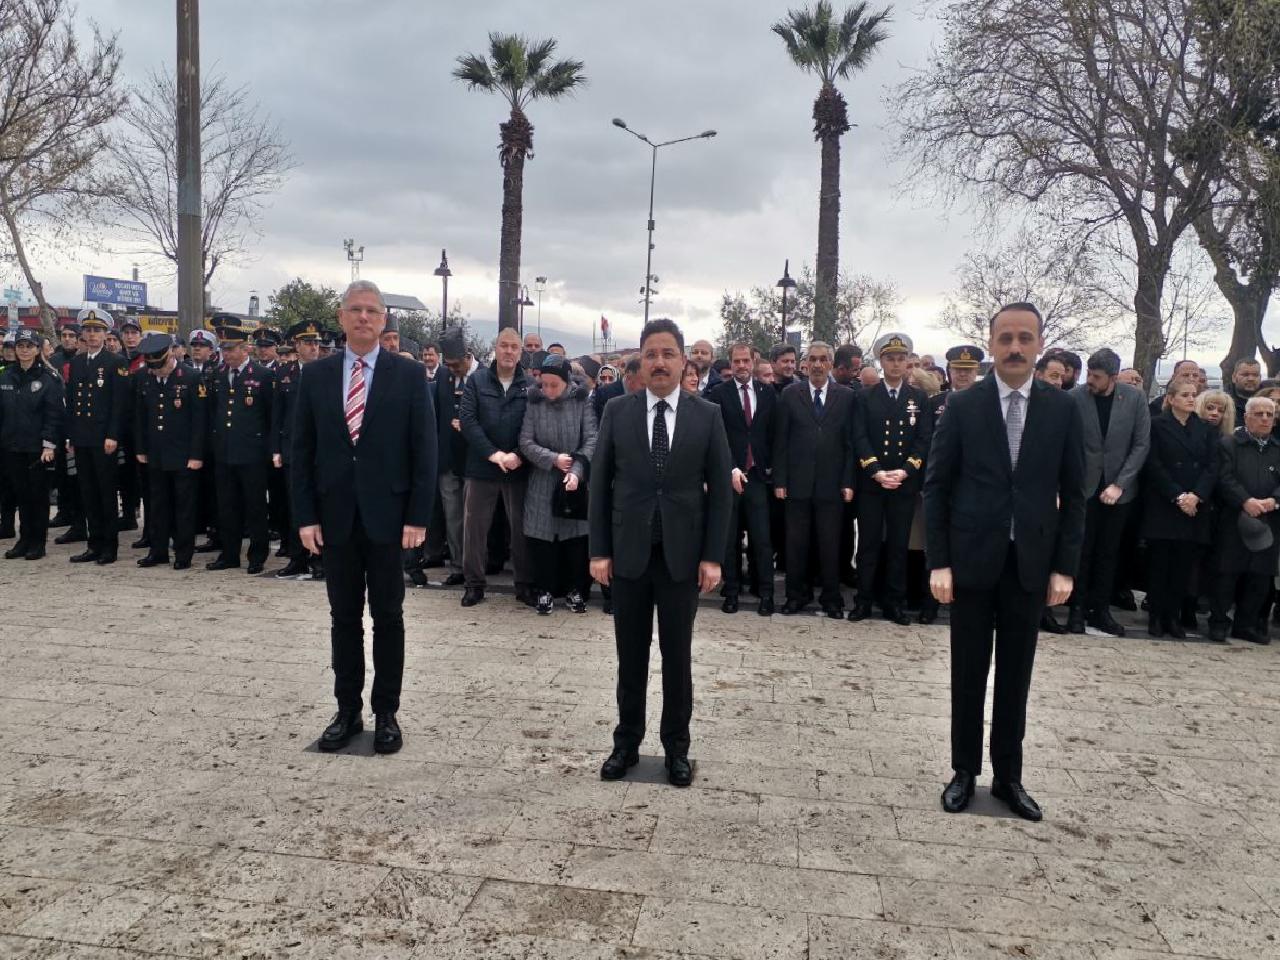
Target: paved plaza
(162,793)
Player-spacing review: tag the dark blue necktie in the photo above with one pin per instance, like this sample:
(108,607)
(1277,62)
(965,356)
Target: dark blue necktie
(817,404)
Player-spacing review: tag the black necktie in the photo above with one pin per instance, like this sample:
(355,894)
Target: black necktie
(658,451)
(893,394)
(817,404)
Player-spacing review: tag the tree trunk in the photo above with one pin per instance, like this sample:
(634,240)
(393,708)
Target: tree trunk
(517,139)
(828,260)
(1249,309)
(1149,344)
(37,289)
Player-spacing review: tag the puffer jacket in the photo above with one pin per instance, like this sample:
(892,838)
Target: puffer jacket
(491,420)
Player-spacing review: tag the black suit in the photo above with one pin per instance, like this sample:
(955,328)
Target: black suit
(363,495)
(751,449)
(658,569)
(606,393)
(813,463)
(972,495)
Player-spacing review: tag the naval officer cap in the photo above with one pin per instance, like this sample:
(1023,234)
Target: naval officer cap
(155,346)
(94,318)
(892,343)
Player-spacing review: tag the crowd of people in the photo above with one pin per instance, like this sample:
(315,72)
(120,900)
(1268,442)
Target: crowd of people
(830,448)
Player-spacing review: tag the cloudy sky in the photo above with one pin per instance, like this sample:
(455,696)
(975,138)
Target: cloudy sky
(396,154)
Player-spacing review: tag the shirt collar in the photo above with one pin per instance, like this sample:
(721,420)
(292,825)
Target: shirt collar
(240,369)
(825,388)
(369,358)
(651,399)
(1005,389)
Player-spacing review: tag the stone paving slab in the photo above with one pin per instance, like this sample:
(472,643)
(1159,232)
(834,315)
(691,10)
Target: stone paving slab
(161,793)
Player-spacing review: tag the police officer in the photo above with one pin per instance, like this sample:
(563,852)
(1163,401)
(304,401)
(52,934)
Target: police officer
(240,413)
(963,364)
(8,496)
(305,337)
(32,415)
(170,428)
(97,394)
(892,428)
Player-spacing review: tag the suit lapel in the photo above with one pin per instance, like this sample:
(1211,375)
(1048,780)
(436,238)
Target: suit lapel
(380,386)
(995,411)
(337,374)
(1035,405)
(683,415)
(640,426)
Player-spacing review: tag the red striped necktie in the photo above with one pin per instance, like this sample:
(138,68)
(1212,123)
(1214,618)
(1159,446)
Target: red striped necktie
(355,400)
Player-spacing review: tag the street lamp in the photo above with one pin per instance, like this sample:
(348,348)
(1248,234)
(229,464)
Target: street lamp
(522,300)
(649,278)
(785,284)
(539,284)
(444,273)
(354,256)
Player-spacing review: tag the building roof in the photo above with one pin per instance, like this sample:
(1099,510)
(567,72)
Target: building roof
(395,301)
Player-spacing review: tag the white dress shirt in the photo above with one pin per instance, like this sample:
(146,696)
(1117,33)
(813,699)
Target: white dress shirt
(825,388)
(651,405)
(749,386)
(1006,391)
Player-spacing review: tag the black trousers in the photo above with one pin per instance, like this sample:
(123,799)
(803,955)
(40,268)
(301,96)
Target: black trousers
(750,510)
(97,473)
(351,569)
(8,499)
(172,512)
(1100,555)
(28,478)
(816,522)
(634,601)
(68,490)
(848,543)
(1170,564)
(294,549)
(434,548)
(207,509)
(1013,615)
(130,476)
(560,566)
(1247,592)
(277,499)
(242,505)
(884,517)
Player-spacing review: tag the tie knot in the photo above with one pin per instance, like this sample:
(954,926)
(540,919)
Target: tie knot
(662,406)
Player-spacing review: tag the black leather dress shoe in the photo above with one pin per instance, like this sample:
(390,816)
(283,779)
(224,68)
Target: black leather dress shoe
(1217,633)
(255,568)
(679,770)
(792,607)
(1104,621)
(142,543)
(417,577)
(1049,623)
(765,609)
(957,794)
(1124,600)
(60,519)
(1155,627)
(1075,620)
(208,547)
(386,733)
(105,559)
(294,568)
(472,595)
(35,553)
(896,615)
(528,596)
(151,560)
(1173,628)
(221,564)
(1250,635)
(340,730)
(618,763)
(730,605)
(182,563)
(71,536)
(860,611)
(1016,799)
(15,552)
(928,612)
(89,556)
(833,612)
(454,580)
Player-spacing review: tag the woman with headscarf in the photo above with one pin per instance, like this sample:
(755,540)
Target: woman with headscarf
(557,438)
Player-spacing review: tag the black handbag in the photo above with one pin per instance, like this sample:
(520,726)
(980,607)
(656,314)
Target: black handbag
(566,505)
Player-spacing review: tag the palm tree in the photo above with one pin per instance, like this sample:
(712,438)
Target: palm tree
(520,71)
(832,50)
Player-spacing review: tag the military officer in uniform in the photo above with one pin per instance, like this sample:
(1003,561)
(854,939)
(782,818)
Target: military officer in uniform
(133,473)
(97,387)
(266,344)
(305,339)
(203,349)
(963,364)
(892,427)
(70,513)
(240,411)
(169,428)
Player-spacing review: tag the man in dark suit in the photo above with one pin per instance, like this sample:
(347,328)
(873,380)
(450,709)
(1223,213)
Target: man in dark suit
(304,336)
(747,406)
(813,476)
(1004,510)
(660,505)
(451,444)
(363,475)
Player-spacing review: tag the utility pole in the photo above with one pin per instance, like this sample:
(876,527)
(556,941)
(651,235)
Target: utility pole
(354,257)
(190,252)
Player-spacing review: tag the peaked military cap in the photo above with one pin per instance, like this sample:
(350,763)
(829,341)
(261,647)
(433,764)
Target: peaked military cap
(965,357)
(892,343)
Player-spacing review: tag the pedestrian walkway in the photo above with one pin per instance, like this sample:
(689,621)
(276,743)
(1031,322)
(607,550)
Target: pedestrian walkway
(161,793)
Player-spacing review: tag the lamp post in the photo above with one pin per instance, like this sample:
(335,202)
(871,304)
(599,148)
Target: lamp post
(354,257)
(785,284)
(649,278)
(539,284)
(522,300)
(444,273)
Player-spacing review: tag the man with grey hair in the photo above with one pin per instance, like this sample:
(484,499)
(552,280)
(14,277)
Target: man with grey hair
(1117,435)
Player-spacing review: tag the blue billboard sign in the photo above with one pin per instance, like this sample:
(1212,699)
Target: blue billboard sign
(124,293)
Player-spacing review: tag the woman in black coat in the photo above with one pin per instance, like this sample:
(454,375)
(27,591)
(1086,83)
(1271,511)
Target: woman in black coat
(1181,473)
(31,429)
